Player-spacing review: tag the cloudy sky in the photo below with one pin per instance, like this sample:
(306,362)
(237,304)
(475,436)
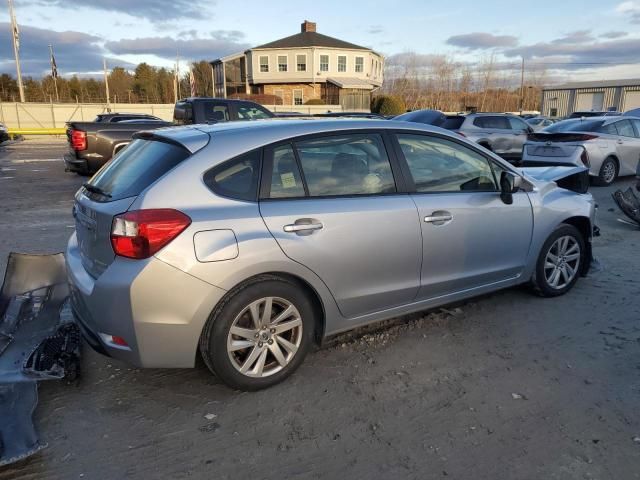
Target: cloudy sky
(573,39)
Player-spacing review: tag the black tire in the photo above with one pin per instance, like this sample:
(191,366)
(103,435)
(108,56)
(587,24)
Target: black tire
(604,179)
(213,341)
(540,283)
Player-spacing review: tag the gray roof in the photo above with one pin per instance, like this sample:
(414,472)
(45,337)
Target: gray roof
(630,82)
(310,39)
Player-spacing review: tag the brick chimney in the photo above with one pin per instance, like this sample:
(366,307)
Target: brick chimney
(308,26)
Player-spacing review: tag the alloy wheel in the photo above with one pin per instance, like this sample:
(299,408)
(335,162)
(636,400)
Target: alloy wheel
(264,337)
(562,262)
(609,172)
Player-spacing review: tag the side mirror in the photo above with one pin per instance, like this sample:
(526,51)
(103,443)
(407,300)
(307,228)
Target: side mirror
(510,183)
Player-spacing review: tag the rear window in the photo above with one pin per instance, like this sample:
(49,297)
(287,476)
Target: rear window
(453,123)
(136,167)
(575,126)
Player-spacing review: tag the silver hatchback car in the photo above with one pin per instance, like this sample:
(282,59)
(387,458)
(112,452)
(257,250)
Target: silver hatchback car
(246,243)
(609,146)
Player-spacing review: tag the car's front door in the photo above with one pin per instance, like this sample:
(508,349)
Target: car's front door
(471,238)
(331,204)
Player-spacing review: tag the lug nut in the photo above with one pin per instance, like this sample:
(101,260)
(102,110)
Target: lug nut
(256,335)
(259,344)
(270,342)
(273,330)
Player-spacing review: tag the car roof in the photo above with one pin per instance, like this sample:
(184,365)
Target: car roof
(264,132)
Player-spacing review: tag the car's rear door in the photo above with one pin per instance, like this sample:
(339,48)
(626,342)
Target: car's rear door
(498,132)
(332,204)
(471,238)
(519,133)
(627,147)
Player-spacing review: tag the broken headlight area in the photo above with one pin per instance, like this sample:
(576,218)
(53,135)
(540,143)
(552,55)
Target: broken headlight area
(38,341)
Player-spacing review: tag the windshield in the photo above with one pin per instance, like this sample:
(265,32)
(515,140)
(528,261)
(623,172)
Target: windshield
(136,167)
(575,126)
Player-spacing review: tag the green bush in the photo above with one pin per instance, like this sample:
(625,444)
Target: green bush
(314,101)
(388,105)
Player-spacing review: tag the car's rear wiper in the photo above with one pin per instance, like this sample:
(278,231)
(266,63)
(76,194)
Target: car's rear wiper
(94,189)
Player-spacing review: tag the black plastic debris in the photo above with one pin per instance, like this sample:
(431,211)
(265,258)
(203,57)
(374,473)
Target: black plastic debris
(629,202)
(38,341)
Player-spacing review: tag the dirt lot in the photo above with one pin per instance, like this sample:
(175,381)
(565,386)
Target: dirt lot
(509,386)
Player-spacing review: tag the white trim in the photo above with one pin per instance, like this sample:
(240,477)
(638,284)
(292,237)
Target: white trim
(339,64)
(293,97)
(355,65)
(260,64)
(327,62)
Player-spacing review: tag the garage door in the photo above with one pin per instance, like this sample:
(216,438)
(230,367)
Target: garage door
(590,101)
(631,101)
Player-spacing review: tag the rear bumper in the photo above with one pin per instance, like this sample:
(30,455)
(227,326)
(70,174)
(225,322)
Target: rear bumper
(157,309)
(74,164)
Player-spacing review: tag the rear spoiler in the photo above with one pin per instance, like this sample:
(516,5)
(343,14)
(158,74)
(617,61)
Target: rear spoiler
(190,138)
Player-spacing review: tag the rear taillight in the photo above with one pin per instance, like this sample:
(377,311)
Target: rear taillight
(584,158)
(78,140)
(586,137)
(141,233)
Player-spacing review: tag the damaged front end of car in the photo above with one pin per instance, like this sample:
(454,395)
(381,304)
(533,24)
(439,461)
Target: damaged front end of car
(38,341)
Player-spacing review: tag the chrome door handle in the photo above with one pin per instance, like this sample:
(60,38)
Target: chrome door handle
(301,227)
(439,218)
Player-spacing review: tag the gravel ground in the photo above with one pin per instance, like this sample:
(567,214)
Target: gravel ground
(508,386)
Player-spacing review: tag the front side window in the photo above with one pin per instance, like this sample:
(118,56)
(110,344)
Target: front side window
(282,63)
(285,175)
(237,178)
(324,63)
(298,97)
(301,63)
(264,64)
(251,112)
(438,165)
(517,124)
(346,165)
(359,64)
(342,63)
(625,128)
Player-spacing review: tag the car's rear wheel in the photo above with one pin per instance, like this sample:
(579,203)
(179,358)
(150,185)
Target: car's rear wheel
(559,262)
(259,334)
(608,172)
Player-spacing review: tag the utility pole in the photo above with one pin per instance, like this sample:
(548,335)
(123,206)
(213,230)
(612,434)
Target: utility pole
(16,47)
(522,87)
(106,83)
(213,82)
(177,89)
(54,72)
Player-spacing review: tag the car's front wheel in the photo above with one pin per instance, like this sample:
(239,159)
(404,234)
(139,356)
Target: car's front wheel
(259,334)
(559,262)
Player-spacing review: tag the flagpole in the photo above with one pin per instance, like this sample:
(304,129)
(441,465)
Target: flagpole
(178,74)
(16,48)
(213,82)
(106,83)
(54,72)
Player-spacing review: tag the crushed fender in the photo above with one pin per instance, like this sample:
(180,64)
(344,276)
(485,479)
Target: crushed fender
(38,341)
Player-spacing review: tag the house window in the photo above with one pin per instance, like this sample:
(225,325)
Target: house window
(324,63)
(301,63)
(359,64)
(342,63)
(297,97)
(282,63)
(264,64)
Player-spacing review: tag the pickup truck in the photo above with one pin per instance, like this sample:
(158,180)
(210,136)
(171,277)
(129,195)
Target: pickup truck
(92,144)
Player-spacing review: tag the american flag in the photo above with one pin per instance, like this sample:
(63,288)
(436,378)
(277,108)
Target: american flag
(192,82)
(54,67)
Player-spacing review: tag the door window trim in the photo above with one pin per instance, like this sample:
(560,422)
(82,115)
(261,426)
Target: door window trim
(267,168)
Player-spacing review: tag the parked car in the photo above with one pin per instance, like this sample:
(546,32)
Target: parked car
(246,245)
(4,133)
(92,144)
(119,117)
(538,123)
(503,134)
(350,115)
(593,113)
(608,146)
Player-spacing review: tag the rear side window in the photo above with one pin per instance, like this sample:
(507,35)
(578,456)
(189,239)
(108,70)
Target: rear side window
(517,124)
(492,122)
(237,178)
(136,167)
(609,129)
(251,112)
(625,128)
(576,126)
(346,165)
(453,123)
